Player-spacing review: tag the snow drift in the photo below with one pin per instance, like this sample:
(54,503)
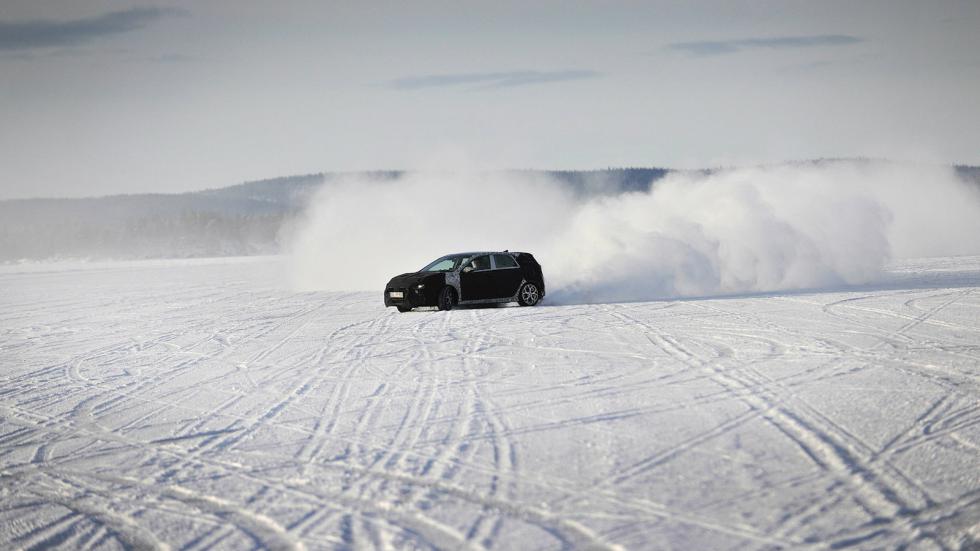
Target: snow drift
(692,234)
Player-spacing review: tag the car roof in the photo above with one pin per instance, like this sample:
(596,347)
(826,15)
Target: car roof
(474,253)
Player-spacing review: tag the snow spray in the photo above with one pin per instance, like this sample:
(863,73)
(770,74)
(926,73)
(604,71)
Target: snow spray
(744,230)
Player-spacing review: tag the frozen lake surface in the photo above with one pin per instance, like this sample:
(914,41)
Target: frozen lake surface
(197,404)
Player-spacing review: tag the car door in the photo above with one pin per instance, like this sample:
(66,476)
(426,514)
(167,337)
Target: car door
(507,276)
(476,279)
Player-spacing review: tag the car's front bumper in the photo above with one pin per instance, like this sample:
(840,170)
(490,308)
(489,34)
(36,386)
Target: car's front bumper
(412,297)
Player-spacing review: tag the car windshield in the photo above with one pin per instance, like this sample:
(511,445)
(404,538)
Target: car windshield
(446,263)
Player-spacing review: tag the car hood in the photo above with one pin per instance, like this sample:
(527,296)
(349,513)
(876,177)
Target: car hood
(414,278)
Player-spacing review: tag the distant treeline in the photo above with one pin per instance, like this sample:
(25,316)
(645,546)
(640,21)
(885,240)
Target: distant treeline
(245,219)
(239,220)
(185,234)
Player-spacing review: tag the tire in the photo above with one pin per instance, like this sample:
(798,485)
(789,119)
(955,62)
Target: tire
(403,309)
(528,295)
(447,298)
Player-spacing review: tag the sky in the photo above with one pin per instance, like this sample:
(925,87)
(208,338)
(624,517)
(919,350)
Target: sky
(107,97)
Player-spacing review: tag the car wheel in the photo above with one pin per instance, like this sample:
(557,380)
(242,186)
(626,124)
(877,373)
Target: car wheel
(528,295)
(403,309)
(447,298)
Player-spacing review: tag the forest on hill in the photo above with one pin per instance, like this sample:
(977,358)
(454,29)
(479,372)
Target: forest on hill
(244,219)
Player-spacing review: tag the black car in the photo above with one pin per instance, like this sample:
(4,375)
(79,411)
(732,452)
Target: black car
(469,278)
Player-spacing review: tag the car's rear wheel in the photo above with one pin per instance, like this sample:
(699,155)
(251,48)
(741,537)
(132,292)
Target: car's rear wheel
(403,309)
(528,295)
(447,298)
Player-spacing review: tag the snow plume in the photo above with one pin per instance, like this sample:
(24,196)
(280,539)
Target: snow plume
(693,234)
(360,232)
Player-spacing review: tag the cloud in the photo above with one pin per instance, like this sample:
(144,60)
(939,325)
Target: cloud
(25,35)
(719,47)
(489,80)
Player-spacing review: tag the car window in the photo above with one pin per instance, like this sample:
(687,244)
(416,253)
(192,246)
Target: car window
(480,263)
(444,265)
(504,261)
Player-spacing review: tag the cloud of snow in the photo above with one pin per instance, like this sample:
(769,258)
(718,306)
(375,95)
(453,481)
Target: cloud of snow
(693,234)
(359,232)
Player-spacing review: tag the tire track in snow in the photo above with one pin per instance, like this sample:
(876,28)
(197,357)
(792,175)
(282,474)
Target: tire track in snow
(133,433)
(439,535)
(645,507)
(942,419)
(565,530)
(269,415)
(121,527)
(822,444)
(85,416)
(356,483)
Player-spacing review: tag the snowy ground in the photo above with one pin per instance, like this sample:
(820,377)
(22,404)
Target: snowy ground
(198,404)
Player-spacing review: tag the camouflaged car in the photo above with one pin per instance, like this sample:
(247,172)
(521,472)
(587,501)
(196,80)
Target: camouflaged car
(469,278)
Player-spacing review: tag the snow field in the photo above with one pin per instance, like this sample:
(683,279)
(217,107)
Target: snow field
(193,405)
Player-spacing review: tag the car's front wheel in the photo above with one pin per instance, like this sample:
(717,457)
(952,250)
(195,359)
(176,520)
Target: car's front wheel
(447,298)
(403,309)
(528,295)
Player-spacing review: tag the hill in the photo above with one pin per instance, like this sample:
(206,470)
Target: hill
(244,219)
